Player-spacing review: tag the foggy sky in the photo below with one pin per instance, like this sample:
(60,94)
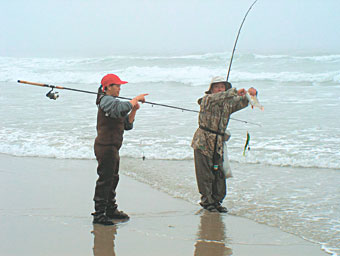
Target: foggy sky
(87,28)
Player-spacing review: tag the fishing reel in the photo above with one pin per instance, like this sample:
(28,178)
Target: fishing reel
(52,95)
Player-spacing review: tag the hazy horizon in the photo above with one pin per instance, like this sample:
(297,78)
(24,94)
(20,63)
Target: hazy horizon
(79,28)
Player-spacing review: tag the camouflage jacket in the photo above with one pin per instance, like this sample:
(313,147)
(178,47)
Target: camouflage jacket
(214,115)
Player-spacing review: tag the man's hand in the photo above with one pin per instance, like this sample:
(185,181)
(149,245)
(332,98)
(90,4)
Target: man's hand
(241,92)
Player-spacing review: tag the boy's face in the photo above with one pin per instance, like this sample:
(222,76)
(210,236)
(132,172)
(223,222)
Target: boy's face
(113,90)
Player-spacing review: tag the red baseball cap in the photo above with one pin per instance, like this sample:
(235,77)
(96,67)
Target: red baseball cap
(111,79)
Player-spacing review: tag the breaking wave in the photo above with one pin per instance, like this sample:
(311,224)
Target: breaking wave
(192,70)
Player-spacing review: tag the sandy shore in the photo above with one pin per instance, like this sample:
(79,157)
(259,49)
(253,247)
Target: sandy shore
(46,205)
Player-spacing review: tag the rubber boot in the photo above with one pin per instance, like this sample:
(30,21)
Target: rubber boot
(101,218)
(211,208)
(221,208)
(115,214)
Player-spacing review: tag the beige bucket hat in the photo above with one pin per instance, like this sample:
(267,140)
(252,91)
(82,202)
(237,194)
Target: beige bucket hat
(218,79)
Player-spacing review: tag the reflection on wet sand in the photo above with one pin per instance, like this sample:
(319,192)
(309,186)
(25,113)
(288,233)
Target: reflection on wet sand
(211,236)
(104,237)
(210,240)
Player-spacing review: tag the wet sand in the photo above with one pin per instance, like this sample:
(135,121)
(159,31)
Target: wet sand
(46,205)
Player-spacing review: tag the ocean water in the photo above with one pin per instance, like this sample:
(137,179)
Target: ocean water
(295,146)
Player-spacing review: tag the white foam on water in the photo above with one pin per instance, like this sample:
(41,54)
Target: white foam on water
(318,58)
(191,72)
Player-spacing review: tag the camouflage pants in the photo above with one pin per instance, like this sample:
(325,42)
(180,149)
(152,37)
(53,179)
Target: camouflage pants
(107,170)
(211,184)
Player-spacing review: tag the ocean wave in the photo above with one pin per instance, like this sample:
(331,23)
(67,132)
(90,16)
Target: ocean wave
(298,77)
(86,152)
(191,75)
(69,148)
(114,58)
(317,58)
(204,56)
(218,56)
(195,73)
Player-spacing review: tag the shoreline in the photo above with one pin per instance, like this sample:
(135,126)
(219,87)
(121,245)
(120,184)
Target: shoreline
(46,206)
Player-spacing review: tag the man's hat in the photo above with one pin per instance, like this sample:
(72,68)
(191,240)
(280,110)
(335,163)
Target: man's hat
(111,79)
(218,79)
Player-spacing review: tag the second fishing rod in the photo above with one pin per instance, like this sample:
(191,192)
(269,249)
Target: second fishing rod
(54,95)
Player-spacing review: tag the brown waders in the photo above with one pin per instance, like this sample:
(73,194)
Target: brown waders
(109,139)
(211,183)
(108,167)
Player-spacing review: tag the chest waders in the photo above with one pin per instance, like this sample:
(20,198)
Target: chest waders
(216,156)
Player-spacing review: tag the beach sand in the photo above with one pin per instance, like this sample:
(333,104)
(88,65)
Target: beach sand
(46,205)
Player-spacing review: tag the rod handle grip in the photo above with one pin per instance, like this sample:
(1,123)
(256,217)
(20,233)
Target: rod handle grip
(33,83)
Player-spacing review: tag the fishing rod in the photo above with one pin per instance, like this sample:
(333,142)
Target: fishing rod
(54,95)
(238,34)
(232,57)
(246,146)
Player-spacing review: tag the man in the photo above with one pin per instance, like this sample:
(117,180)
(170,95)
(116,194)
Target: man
(114,116)
(220,101)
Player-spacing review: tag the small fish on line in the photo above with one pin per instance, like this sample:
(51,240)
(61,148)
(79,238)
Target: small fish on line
(254,102)
(246,146)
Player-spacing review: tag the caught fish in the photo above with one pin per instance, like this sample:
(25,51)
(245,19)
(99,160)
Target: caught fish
(254,102)
(246,146)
